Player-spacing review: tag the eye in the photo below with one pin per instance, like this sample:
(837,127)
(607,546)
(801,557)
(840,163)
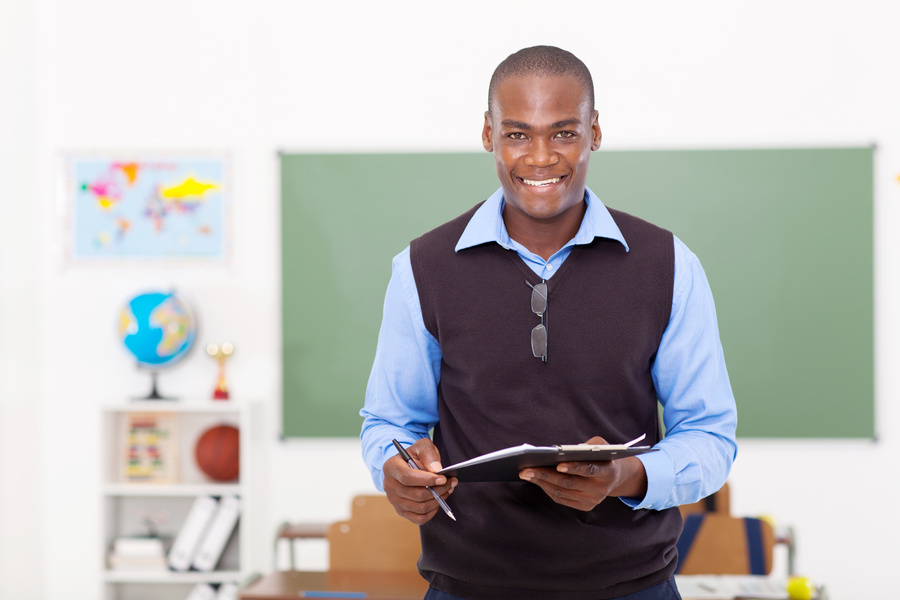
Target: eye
(516,135)
(565,135)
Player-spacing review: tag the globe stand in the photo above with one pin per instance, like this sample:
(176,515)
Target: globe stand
(154,392)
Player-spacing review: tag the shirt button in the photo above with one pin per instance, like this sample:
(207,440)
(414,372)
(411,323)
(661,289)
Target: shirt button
(549,267)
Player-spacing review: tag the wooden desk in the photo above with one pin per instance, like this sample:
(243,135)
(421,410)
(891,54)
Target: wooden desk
(287,585)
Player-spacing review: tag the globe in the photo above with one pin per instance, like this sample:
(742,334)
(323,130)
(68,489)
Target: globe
(159,329)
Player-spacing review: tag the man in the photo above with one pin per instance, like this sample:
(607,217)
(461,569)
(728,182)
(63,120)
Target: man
(475,347)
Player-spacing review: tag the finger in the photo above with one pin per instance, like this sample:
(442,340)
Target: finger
(420,493)
(564,495)
(401,482)
(420,519)
(598,470)
(417,513)
(397,468)
(426,455)
(414,500)
(547,476)
(574,491)
(597,441)
(413,503)
(419,478)
(446,489)
(443,489)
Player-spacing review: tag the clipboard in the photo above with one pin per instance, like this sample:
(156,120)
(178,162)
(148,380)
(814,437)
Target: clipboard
(504,465)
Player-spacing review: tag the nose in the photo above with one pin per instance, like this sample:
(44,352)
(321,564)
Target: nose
(540,154)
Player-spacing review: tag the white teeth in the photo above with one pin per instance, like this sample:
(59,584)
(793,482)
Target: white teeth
(542,183)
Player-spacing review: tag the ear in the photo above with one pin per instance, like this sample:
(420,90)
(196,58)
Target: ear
(486,140)
(595,131)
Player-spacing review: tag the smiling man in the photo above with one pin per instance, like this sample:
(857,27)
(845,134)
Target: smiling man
(467,349)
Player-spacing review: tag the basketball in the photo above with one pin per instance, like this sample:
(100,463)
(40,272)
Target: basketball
(217,452)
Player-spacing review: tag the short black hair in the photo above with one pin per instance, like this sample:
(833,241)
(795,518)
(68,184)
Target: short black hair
(543,61)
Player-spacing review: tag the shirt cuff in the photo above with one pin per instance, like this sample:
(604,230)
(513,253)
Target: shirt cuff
(383,453)
(660,471)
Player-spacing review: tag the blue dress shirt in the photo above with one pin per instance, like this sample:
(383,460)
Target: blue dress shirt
(689,373)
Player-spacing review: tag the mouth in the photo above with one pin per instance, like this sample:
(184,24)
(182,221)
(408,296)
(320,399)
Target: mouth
(539,183)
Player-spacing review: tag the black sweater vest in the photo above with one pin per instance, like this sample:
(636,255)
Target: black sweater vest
(607,310)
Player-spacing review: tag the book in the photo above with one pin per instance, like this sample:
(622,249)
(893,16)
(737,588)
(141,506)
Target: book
(186,543)
(139,546)
(505,464)
(137,563)
(210,551)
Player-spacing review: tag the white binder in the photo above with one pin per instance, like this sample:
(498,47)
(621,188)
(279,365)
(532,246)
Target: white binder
(227,591)
(202,591)
(192,532)
(210,550)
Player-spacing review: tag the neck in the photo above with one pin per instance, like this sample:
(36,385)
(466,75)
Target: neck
(544,237)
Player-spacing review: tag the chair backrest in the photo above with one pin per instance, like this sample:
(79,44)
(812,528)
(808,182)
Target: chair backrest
(718,502)
(374,538)
(716,544)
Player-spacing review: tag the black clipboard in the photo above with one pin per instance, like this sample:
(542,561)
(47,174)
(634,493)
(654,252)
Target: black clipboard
(504,465)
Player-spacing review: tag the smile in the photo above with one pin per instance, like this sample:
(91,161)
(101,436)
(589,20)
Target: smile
(541,183)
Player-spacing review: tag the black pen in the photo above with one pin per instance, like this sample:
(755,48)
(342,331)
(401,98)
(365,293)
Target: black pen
(405,456)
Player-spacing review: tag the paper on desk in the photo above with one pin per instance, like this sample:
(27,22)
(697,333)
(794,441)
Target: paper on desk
(729,587)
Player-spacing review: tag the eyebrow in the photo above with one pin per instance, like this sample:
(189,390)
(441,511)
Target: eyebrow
(513,124)
(565,123)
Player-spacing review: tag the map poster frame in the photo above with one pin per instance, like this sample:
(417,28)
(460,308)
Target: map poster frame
(147,207)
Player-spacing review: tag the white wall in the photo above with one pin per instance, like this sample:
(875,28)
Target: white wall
(255,77)
(20,318)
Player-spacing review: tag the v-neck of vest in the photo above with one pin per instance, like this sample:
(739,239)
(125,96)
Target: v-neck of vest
(533,277)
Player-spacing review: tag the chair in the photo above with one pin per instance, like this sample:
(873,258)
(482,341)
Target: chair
(717,544)
(717,502)
(291,532)
(374,538)
(713,542)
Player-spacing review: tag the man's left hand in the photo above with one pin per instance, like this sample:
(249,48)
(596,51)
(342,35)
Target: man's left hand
(584,485)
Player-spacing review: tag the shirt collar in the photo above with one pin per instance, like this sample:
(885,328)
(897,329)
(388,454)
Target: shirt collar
(486,225)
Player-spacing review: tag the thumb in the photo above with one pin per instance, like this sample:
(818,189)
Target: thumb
(427,454)
(596,441)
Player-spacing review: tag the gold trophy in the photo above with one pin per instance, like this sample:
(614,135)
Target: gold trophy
(221,354)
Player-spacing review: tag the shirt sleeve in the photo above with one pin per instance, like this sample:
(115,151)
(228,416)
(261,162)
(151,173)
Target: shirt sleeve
(401,395)
(699,413)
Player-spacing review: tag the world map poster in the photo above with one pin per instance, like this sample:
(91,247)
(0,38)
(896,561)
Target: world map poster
(148,208)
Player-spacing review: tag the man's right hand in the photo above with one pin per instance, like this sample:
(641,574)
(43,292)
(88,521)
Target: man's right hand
(405,486)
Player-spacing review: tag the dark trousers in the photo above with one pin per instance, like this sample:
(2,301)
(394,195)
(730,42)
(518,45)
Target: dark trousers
(663,591)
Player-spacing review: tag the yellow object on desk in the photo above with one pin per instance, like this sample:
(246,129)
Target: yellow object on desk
(801,588)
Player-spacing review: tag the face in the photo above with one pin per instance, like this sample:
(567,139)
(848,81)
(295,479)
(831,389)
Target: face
(542,131)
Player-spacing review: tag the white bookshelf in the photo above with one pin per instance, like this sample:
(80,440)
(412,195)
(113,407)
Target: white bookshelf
(122,502)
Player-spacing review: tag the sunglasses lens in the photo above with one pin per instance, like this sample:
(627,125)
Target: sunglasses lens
(539,341)
(539,298)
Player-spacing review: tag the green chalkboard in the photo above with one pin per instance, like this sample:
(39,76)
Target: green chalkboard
(785,237)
